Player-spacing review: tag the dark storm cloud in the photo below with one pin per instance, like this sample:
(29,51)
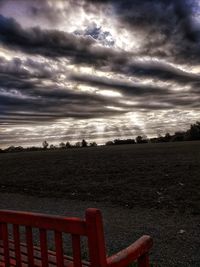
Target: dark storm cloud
(154,69)
(81,50)
(50,43)
(13,75)
(148,97)
(25,97)
(124,87)
(55,44)
(51,106)
(157,70)
(167,26)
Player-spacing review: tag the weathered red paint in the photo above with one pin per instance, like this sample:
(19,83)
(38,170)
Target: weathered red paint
(13,252)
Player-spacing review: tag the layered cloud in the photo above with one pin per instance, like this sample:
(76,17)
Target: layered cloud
(106,69)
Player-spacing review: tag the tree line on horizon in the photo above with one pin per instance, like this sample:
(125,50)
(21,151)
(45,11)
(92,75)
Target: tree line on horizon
(189,135)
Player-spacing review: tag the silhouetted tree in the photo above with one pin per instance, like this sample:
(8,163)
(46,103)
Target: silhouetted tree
(19,148)
(78,144)
(93,144)
(161,138)
(52,147)
(62,145)
(68,145)
(10,149)
(109,143)
(124,141)
(167,137)
(14,149)
(84,143)
(141,139)
(154,140)
(33,148)
(178,136)
(45,145)
(194,132)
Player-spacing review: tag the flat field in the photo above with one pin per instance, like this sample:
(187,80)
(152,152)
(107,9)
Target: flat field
(153,188)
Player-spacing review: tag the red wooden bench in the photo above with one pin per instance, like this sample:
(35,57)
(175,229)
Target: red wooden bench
(14,252)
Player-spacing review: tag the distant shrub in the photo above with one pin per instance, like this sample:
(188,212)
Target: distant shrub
(109,143)
(93,144)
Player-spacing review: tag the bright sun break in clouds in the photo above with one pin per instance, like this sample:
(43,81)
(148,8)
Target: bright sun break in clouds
(97,70)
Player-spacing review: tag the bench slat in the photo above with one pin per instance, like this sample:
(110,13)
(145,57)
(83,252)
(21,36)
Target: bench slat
(44,248)
(29,242)
(59,249)
(76,246)
(16,236)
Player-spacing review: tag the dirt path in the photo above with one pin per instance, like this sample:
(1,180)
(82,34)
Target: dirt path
(176,236)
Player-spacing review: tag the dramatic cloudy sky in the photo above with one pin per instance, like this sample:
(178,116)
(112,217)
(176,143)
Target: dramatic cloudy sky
(104,69)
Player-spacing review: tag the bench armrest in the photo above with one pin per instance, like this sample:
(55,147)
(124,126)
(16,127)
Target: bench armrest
(131,253)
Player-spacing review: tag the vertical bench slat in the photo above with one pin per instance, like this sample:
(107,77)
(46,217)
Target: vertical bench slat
(96,242)
(17,245)
(29,242)
(143,261)
(76,246)
(44,248)
(59,249)
(4,230)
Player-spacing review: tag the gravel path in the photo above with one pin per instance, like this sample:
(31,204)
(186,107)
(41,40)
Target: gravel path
(176,236)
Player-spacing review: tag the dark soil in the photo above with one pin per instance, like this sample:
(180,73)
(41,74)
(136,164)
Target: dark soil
(150,188)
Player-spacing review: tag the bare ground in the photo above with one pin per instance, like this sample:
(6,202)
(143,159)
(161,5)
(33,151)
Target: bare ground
(141,189)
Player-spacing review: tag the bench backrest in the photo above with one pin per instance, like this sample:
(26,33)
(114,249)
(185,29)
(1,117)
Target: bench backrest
(91,227)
